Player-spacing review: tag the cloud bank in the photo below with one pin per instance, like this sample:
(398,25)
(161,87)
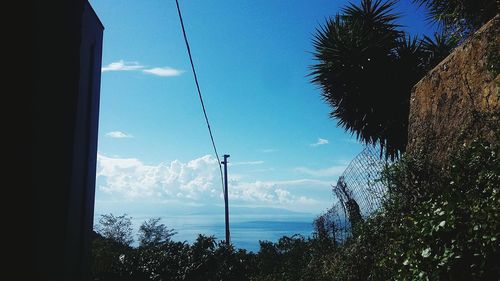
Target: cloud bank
(198,181)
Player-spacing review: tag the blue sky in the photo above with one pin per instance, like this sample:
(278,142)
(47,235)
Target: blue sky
(252,59)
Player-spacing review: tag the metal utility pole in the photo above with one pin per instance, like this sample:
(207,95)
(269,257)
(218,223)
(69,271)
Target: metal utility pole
(226,198)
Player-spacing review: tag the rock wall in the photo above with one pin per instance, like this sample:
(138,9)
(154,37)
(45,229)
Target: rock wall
(459,99)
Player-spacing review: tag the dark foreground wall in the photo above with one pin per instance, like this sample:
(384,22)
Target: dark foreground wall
(65,105)
(459,98)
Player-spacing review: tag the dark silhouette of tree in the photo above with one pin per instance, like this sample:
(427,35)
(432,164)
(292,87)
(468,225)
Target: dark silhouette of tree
(202,262)
(283,260)
(437,48)
(460,16)
(116,228)
(113,260)
(366,68)
(233,264)
(152,233)
(356,59)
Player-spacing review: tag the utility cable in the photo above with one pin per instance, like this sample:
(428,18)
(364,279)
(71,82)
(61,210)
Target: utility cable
(199,92)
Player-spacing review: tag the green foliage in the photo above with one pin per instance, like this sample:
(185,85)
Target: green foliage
(163,259)
(449,231)
(435,224)
(460,16)
(284,260)
(112,260)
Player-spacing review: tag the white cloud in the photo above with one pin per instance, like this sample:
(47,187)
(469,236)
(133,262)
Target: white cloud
(122,65)
(284,196)
(197,181)
(333,171)
(163,71)
(131,178)
(246,163)
(118,135)
(320,142)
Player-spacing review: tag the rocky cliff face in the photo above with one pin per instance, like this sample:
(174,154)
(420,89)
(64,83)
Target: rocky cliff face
(459,99)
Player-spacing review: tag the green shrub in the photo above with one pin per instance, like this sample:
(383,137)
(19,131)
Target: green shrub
(435,224)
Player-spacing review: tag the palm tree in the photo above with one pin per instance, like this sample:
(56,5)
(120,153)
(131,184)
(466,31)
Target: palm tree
(460,16)
(437,48)
(366,68)
(355,69)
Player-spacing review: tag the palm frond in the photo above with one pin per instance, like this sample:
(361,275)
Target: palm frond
(437,48)
(461,16)
(355,54)
(373,12)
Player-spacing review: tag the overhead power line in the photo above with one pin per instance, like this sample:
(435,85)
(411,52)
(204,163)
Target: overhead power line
(199,92)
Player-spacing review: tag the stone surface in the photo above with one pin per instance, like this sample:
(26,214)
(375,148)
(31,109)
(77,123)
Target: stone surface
(450,104)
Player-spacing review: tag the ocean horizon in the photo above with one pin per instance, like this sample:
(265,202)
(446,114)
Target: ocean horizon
(246,230)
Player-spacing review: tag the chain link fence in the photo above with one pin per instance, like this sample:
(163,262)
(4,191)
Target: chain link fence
(359,193)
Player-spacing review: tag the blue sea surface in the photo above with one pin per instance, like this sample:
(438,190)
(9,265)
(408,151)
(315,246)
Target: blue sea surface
(246,235)
(246,230)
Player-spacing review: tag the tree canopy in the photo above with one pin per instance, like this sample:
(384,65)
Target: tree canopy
(116,228)
(460,16)
(152,233)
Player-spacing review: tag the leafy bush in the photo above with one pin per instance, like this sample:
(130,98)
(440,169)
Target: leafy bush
(435,224)
(449,221)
